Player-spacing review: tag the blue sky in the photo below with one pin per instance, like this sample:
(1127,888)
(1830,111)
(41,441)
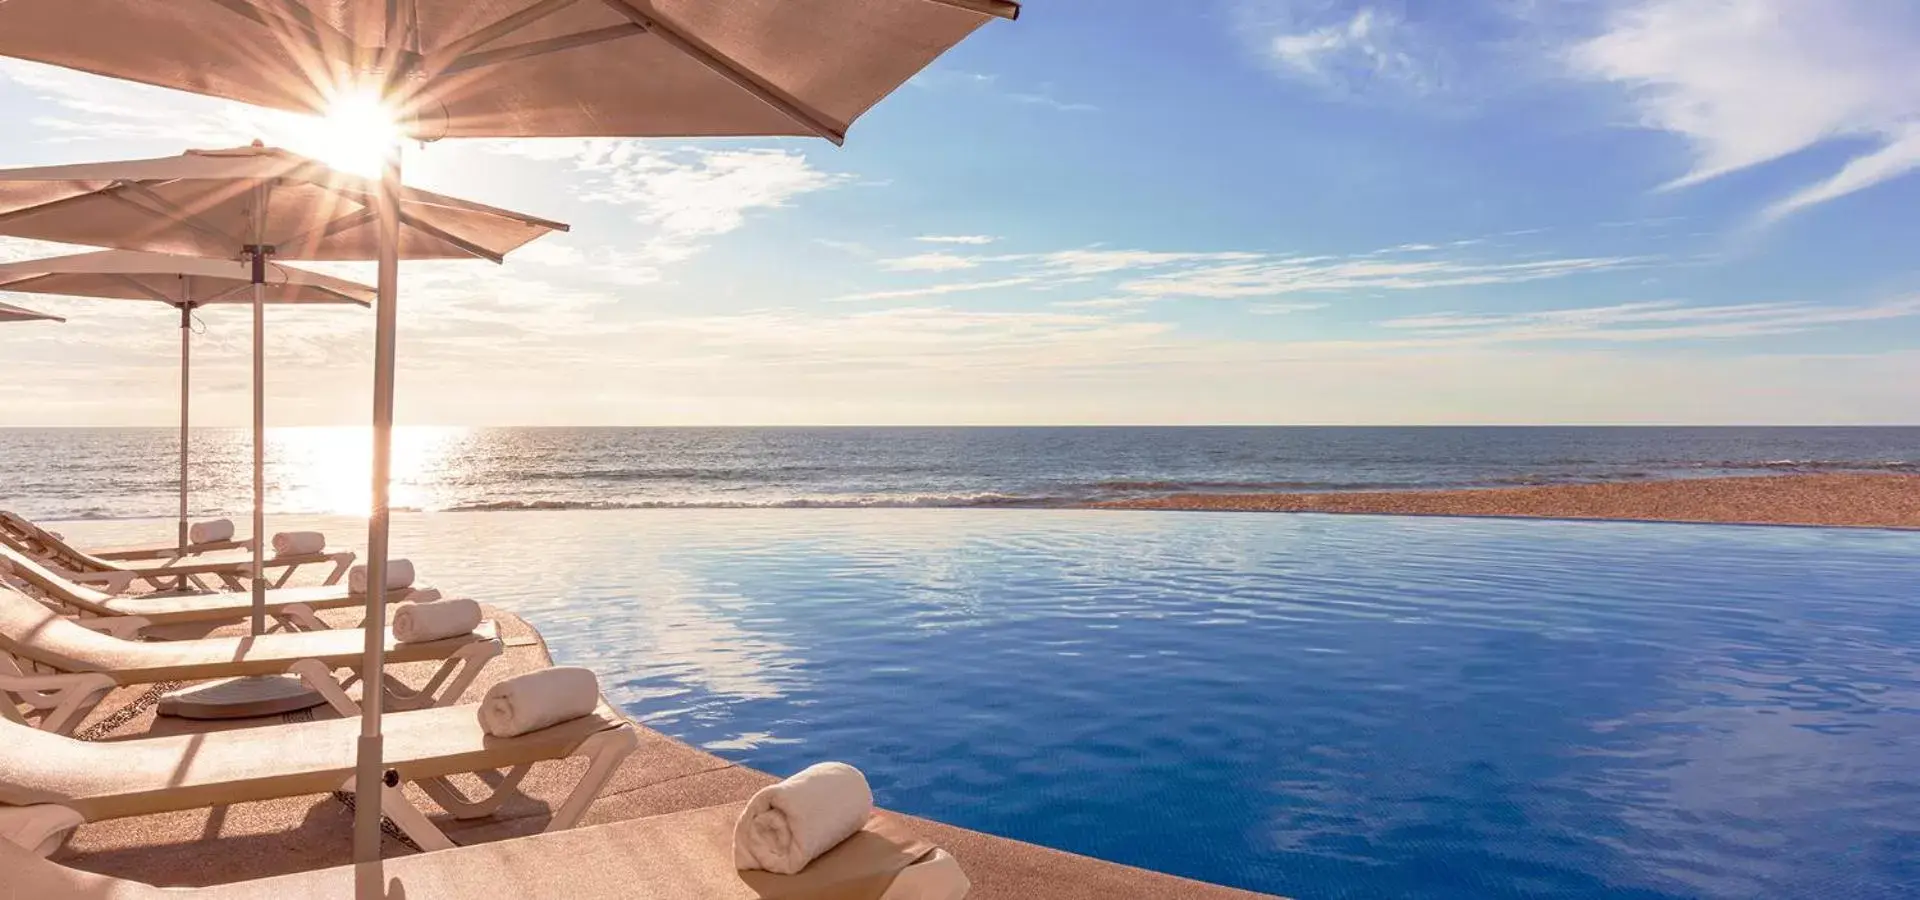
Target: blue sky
(1258,211)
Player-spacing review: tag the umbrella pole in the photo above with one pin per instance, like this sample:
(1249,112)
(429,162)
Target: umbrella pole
(186,342)
(368,773)
(258,250)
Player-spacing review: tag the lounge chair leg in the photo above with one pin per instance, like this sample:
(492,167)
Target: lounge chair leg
(413,823)
(300,617)
(341,563)
(317,676)
(605,751)
(455,801)
(469,660)
(68,698)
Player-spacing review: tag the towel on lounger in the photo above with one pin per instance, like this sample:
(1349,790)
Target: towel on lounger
(536,700)
(399,575)
(210,531)
(786,825)
(435,619)
(299,543)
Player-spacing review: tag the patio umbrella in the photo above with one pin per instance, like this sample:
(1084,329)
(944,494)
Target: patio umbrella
(255,204)
(184,283)
(505,68)
(11,313)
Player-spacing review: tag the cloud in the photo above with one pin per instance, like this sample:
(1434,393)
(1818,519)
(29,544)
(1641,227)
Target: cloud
(1281,276)
(989,84)
(975,239)
(1649,321)
(1360,47)
(928,262)
(938,289)
(1746,82)
(1281,309)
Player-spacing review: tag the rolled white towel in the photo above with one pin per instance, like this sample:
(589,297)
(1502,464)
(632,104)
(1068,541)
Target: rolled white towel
(210,531)
(399,575)
(435,619)
(298,543)
(786,825)
(536,700)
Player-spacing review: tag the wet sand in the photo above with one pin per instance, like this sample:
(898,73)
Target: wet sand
(1860,500)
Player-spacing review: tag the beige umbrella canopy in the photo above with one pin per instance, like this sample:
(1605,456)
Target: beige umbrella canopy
(184,283)
(252,202)
(202,203)
(11,313)
(519,68)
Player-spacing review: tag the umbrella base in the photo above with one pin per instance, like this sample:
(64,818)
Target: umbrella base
(241,698)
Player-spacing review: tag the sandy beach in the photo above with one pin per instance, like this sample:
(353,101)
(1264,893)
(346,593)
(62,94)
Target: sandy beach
(1859,500)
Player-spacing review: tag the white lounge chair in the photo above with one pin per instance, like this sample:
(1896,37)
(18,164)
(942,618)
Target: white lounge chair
(292,607)
(98,780)
(170,573)
(36,643)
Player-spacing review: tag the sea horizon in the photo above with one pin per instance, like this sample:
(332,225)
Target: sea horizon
(111,472)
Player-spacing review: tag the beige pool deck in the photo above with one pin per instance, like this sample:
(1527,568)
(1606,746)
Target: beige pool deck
(253,840)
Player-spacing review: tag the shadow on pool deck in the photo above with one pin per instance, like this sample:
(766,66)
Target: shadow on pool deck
(254,840)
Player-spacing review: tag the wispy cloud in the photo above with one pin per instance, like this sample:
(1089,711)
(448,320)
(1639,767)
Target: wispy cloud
(1301,275)
(934,290)
(1745,82)
(973,239)
(928,262)
(1357,47)
(1043,95)
(1648,321)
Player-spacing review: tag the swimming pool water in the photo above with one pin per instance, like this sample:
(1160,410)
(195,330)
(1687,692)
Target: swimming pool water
(1315,706)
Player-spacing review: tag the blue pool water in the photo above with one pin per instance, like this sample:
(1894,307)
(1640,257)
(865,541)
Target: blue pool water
(1315,706)
(1321,707)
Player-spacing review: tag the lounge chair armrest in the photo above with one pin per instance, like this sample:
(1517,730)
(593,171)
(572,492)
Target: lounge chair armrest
(110,582)
(126,628)
(124,554)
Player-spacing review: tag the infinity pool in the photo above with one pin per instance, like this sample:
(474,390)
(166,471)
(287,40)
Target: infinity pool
(1313,706)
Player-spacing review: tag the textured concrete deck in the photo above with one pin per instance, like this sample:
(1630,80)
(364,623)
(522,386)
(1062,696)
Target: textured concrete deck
(258,839)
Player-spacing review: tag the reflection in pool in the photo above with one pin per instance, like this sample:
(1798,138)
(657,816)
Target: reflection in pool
(1314,706)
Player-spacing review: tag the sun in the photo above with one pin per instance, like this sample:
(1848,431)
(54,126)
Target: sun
(356,133)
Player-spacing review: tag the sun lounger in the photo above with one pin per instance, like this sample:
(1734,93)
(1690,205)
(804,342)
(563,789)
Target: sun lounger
(681,856)
(293,607)
(176,572)
(39,641)
(20,526)
(118,779)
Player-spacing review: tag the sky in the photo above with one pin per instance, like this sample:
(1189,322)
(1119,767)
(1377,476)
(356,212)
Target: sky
(1123,212)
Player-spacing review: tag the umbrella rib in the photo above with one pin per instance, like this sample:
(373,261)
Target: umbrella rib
(999,9)
(332,226)
(510,53)
(317,33)
(140,286)
(410,221)
(22,283)
(731,71)
(165,207)
(453,50)
(25,211)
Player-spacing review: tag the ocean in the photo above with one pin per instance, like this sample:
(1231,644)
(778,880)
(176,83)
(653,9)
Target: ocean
(132,472)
